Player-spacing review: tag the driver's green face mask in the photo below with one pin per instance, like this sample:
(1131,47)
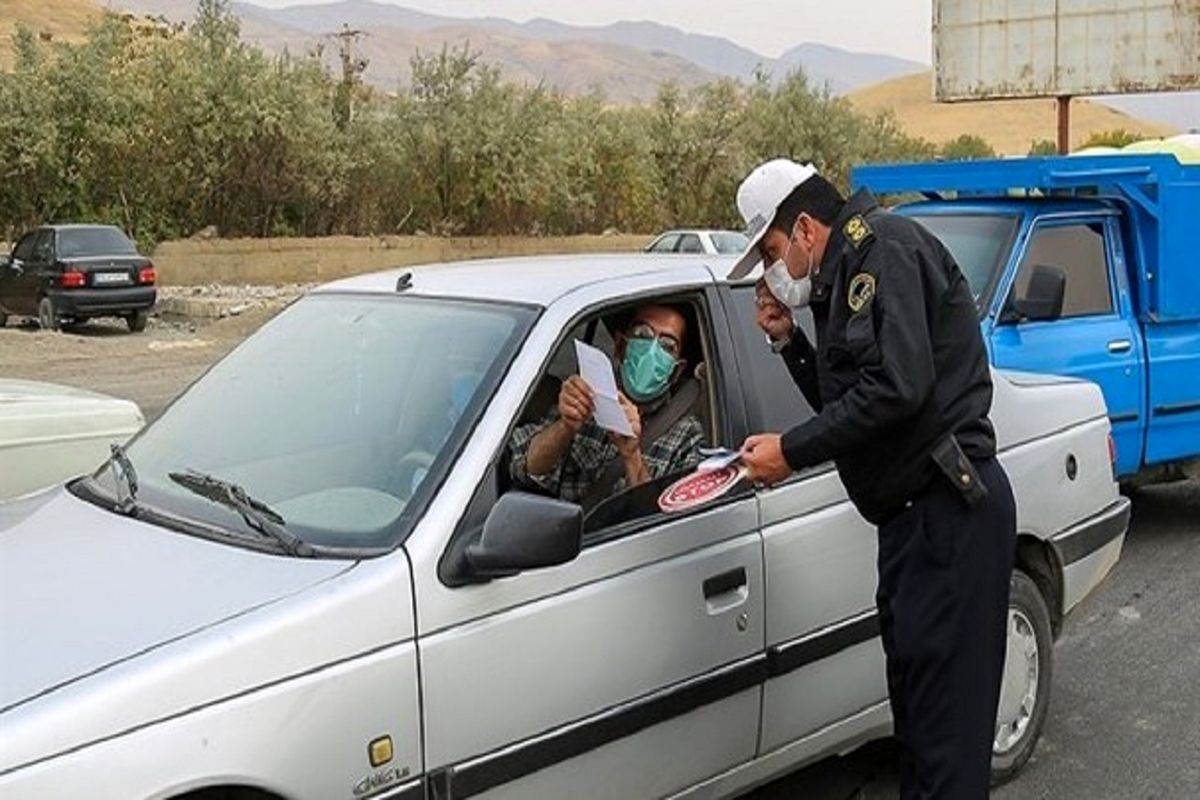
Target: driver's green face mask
(646,370)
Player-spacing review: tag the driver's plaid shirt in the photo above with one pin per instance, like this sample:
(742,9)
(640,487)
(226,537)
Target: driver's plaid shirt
(676,451)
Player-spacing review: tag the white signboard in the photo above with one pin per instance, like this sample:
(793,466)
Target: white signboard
(1051,48)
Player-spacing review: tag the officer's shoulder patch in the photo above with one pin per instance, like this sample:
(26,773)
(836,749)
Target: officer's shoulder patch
(861,291)
(857,231)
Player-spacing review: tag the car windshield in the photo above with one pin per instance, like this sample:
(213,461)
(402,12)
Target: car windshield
(980,243)
(728,242)
(339,416)
(94,242)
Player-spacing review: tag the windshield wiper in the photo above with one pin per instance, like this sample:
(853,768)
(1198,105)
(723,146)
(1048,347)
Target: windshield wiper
(126,474)
(257,514)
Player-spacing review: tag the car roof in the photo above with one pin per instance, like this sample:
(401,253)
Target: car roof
(538,280)
(76,226)
(696,230)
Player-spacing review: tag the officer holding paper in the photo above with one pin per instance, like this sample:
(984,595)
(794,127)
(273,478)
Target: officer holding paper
(899,378)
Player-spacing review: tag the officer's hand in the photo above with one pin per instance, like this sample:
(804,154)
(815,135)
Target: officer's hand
(773,317)
(575,404)
(763,456)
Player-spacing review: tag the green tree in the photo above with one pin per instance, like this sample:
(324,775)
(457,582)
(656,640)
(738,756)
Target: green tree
(966,147)
(1114,138)
(1043,147)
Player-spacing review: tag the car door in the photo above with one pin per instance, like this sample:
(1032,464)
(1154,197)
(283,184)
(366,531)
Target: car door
(634,671)
(1095,337)
(18,281)
(826,680)
(43,273)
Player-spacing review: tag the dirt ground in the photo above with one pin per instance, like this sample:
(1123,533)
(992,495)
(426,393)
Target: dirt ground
(151,368)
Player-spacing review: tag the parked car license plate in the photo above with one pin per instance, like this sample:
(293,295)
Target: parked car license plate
(110,278)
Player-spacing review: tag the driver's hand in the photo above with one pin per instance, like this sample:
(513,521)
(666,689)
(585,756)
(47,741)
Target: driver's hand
(575,404)
(773,317)
(628,445)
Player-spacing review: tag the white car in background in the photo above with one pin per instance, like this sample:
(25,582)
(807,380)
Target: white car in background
(707,242)
(50,433)
(327,584)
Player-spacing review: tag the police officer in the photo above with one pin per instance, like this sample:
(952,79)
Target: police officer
(900,381)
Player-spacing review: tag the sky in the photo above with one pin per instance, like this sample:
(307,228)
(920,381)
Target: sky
(895,27)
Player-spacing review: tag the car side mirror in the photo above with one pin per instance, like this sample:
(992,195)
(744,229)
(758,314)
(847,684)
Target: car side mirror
(525,531)
(1043,300)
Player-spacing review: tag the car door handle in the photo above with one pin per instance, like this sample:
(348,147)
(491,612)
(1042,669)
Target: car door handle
(726,591)
(1120,346)
(725,583)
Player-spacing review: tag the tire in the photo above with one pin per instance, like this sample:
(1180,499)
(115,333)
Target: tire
(48,317)
(3,319)
(1028,667)
(137,321)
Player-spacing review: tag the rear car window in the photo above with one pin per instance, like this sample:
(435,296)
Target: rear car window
(774,400)
(94,242)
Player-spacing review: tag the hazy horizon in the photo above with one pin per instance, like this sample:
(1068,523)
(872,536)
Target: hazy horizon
(899,27)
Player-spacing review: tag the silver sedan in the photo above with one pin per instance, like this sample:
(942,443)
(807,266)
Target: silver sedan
(323,582)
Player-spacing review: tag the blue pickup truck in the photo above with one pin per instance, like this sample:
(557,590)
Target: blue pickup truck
(1086,266)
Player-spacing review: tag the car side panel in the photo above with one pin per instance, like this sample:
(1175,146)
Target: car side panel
(822,635)
(303,739)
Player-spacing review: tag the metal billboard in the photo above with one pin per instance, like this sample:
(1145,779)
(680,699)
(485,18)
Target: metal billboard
(987,49)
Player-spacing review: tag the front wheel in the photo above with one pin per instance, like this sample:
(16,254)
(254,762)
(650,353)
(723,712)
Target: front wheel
(48,315)
(1025,685)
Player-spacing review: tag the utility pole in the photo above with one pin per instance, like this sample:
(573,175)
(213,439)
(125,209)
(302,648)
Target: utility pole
(1064,124)
(352,70)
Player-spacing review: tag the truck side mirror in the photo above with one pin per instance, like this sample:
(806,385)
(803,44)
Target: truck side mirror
(1043,300)
(525,531)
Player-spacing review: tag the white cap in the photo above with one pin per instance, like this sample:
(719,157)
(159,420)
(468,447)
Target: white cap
(759,197)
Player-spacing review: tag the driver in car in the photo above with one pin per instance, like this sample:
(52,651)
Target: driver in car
(571,457)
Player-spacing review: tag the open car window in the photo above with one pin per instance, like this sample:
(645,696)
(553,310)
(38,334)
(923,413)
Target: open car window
(623,504)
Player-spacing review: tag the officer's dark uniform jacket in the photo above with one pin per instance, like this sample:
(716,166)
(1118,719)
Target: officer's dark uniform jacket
(901,361)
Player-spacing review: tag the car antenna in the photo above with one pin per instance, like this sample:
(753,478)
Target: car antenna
(404,281)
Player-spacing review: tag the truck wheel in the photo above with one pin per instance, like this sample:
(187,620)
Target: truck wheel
(137,321)
(48,315)
(1025,687)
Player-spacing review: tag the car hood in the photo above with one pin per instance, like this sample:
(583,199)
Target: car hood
(83,589)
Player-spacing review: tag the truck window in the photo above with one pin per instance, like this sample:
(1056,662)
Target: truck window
(980,243)
(1078,250)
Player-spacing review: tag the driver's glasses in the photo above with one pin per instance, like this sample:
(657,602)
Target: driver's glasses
(668,342)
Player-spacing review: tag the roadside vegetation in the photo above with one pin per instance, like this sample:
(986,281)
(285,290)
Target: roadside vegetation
(167,131)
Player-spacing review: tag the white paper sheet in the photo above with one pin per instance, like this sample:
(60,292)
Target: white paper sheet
(717,458)
(596,370)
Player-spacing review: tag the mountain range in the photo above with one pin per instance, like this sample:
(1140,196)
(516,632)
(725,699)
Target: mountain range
(628,60)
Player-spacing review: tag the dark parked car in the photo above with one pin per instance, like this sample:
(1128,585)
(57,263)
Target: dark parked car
(72,273)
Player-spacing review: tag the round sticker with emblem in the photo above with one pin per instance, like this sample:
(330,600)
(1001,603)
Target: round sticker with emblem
(700,487)
(862,289)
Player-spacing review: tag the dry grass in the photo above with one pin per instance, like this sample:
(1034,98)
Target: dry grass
(1009,125)
(61,20)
